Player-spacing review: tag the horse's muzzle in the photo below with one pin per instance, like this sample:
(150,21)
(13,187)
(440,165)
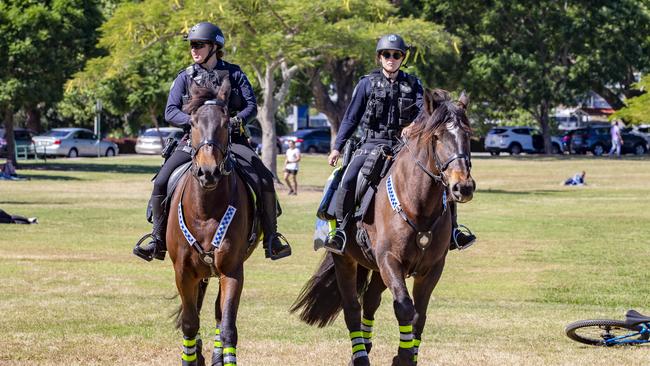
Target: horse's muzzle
(463,191)
(208,177)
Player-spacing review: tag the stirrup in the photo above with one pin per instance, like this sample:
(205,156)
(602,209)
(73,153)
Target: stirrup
(285,252)
(136,249)
(464,230)
(336,233)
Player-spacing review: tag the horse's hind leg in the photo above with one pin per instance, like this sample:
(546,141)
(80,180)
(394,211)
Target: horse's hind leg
(422,289)
(346,278)
(188,288)
(393,275)
(230,291)
(371,301)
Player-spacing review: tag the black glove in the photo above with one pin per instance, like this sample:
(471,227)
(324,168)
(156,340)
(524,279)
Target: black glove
(237,126)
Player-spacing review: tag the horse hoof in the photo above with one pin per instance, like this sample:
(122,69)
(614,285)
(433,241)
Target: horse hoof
(361,361)
(397,361)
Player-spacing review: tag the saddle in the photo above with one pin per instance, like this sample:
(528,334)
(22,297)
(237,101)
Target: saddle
(253,193)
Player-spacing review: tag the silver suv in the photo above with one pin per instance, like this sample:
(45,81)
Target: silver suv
(518,139)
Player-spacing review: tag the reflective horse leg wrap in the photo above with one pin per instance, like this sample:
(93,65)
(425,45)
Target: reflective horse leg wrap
(229,356)
(366,330)
(190,348)
(416,349)
(217,352)
(358,345)
(406,337)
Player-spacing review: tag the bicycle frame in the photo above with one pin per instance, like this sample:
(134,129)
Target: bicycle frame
(625,339)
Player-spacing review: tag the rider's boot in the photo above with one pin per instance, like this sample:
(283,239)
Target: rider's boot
(335,242)
(156,247)
(460,238)
(274,247)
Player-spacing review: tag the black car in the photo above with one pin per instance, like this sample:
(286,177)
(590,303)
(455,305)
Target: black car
(597,140)
(311,140)
(22,139)
(255,134)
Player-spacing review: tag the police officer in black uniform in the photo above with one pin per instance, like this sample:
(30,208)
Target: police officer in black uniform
(206,42)
(384,102)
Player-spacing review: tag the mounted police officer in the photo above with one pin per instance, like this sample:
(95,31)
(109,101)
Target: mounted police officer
(206,43)
(384,102)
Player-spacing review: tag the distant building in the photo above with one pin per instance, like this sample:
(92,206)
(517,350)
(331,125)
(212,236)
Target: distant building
(592,109)
(300,118)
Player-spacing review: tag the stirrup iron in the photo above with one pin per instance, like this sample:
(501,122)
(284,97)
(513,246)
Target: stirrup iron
(465,230)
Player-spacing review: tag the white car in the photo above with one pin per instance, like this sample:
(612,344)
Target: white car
(640,130)
(73,142)
(518,139)
(151,142)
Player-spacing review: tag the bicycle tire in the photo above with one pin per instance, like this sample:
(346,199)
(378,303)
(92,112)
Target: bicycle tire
(612,328)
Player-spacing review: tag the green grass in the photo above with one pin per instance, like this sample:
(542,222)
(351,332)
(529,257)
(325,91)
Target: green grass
(72,293)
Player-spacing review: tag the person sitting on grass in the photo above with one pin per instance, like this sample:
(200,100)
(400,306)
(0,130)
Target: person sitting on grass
(577,180)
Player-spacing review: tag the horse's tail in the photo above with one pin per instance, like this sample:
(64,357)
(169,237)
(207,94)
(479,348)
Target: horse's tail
(203,287)
(320,299)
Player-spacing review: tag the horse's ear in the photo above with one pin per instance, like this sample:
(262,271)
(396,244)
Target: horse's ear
(433,99)
(463,101)
(193,90)
(224,90)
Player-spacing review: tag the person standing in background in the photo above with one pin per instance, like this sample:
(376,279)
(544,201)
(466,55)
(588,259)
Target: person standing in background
(291,167)
(617,139)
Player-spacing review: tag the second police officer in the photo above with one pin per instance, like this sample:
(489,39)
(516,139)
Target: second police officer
(206,44)
(383,102)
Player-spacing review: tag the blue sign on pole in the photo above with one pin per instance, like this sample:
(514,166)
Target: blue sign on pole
(303,116)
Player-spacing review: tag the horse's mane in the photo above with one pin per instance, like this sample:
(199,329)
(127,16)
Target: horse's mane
(446,112)
(199,95)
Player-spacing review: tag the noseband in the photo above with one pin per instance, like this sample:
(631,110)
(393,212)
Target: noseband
(441,177)
(225,167)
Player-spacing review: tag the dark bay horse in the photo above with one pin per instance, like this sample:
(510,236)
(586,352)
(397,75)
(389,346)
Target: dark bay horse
(209,225)
(409,227)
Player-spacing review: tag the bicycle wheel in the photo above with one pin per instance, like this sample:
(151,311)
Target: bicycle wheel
(597,331)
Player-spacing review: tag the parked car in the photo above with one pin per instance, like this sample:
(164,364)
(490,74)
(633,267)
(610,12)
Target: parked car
(255,134)
(516,140)
(311,140)
(73,142)
(640,130)
(22,139)
(151,141)
(597,139)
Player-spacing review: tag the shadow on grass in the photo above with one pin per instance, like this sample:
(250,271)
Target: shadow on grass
(524,193)
(48,177)
(85,167)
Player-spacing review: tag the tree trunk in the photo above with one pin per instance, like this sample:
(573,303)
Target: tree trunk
(343,72)
(9,134)
(272,101)
(33,121)
(154,119)
(544,124)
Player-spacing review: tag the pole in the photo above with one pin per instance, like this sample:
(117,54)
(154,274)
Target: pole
(98,124)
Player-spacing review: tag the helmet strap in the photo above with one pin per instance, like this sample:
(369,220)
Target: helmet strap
(213,50)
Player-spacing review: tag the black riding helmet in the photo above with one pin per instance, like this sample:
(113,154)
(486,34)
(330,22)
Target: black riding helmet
(392,42)
(206,31)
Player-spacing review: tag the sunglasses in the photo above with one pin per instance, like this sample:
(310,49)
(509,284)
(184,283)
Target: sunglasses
(197,45)
(396,55)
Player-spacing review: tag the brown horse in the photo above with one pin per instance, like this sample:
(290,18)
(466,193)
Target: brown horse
(409,227)
(209,225)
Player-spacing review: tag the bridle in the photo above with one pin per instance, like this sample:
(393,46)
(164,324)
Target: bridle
(225,167)
(441,177)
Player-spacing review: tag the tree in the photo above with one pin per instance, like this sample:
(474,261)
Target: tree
(538,54)
(638,108)
(43,43)
(349,52)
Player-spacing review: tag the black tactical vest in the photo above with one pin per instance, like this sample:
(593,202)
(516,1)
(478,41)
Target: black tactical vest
(400,95)
(213,79)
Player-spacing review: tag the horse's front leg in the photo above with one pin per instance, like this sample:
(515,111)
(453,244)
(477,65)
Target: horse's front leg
(188,288)
(231,285)
(422,289)
(393,275)
(346,278)
(371,301)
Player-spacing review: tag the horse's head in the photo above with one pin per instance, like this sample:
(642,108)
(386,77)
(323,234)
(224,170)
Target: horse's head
(447,126)
(210,133)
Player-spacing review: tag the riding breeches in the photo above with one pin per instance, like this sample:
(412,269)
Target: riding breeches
(178,158)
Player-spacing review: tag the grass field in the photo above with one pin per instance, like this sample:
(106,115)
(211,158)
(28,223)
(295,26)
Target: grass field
(73,294)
